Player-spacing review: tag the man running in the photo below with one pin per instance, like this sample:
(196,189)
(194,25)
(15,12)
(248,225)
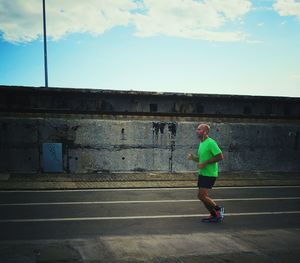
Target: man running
(209,154)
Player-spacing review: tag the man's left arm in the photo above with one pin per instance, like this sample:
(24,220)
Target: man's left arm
(214,159)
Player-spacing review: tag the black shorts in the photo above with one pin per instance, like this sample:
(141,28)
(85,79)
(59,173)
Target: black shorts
(206,181)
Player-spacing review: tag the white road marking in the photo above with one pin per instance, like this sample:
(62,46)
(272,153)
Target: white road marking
(146,189)
(32,220)
(147,201)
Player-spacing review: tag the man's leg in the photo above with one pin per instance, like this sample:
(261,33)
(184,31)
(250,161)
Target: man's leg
(217,213)
(210,204)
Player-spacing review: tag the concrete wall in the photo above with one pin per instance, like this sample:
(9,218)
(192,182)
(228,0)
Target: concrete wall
(54,100)
(138,139)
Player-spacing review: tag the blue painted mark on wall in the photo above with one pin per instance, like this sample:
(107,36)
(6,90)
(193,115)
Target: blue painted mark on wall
(52,157)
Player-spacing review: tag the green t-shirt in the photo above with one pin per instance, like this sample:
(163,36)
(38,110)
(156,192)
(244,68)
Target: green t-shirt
(208,149)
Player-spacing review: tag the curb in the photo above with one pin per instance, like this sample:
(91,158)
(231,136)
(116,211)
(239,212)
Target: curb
(138,180)
(138,184)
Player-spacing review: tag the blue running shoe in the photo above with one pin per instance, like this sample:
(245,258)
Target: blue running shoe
(222,213)
(212,219)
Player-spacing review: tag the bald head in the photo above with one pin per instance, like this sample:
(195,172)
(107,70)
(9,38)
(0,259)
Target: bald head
(204,126)
(203,131)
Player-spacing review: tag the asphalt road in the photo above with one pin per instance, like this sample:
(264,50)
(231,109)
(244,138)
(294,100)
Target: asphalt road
(149,225)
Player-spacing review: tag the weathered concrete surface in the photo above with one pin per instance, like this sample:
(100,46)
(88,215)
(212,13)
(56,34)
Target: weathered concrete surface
(156,249)
(247,246)
(116,145)
(130,134)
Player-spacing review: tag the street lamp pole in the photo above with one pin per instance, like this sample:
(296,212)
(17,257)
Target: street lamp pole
(45,45)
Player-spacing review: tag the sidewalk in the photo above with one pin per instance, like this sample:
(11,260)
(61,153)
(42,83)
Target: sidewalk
(21,181)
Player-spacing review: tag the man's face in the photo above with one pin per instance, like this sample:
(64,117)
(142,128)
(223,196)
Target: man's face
(201,131)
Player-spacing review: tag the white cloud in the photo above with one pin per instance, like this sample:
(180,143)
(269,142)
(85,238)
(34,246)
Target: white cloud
(21,21)
(295,76)
(231,9)
(191,19)
(288,8)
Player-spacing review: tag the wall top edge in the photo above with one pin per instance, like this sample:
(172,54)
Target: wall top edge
(76,91)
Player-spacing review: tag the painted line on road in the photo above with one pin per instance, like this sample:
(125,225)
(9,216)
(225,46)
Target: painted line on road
(147,201)
(146,189)
(33,220)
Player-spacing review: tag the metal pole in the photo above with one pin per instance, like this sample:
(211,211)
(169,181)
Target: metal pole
(45,45)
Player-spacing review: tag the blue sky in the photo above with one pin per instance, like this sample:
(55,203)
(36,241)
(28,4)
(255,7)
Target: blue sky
(237,47)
